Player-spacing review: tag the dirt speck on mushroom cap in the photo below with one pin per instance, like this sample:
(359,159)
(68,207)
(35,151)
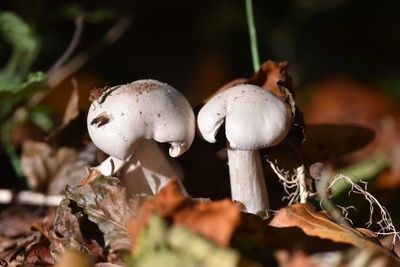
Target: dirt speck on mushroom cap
(102,119)
(145,86)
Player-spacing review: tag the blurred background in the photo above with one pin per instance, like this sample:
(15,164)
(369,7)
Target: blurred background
(342,55)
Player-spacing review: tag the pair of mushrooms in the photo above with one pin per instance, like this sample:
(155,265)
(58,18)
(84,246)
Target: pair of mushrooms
(125,120)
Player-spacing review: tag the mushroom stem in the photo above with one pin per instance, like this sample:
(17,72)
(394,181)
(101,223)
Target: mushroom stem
(155,167)
(146,172)
(247,180)
(110,166)
(300,173)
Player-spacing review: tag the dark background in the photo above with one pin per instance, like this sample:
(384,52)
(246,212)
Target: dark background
(198,46)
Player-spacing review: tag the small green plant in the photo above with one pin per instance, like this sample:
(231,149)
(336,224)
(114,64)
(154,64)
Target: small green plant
(18,83)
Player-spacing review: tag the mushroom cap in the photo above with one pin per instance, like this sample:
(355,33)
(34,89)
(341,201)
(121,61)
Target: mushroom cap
(254,117)
(145,109)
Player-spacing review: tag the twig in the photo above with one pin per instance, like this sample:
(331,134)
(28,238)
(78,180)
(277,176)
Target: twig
(71,47)
(77,62)
(253,35)
(29,198)
(111,36)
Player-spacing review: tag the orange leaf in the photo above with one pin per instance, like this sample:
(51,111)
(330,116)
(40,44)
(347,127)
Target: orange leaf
(314,223)
(272,76)
(214,220)
(72,110)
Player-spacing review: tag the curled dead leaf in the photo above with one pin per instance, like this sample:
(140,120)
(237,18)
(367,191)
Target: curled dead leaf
(72,109)
(73,128)
(314,223)
(93,174)
(39,254)
(107,204)
(12,255)
(49,170)
(273,76)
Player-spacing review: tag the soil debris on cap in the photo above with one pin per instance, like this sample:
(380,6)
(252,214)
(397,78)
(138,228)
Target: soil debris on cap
(145,86)
(102,119)
(97,92)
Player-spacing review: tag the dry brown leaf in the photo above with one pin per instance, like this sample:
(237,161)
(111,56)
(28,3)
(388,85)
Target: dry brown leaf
(214,220)
(272,76)
(314,223)
(328,141)
(16,221)
(342,100)
(39,254)
(73,128)
(387,242)
(93,174)
(106,203)
(61,231)
(368,233)
(13,255)
(72,110)
(256,239)
(49,170)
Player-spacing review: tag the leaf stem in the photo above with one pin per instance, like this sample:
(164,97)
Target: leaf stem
(253,36)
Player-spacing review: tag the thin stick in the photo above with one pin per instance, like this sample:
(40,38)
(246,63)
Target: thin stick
(72,66)
(71,47)
(253,35)
(29,198)
(78,61)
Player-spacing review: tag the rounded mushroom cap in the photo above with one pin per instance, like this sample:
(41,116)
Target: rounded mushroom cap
(254,117)
(145,109)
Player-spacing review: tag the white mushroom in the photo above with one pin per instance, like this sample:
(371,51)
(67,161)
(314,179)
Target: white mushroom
(124,121)
(254,118)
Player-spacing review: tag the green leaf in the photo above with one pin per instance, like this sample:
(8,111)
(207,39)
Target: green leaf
(11,151)
(201,249)
(41,116)
(363,171)
(153,236)
(11,95)
(35,82)
(16,32)
(23,40)
(73,10)
(14,93)
(8,81)
(176,246)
